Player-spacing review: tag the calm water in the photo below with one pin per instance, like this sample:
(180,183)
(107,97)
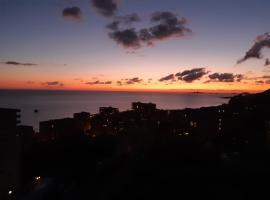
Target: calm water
(60,104)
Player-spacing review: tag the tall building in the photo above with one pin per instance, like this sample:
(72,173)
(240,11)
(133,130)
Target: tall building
(63,128)
(57,129)
(107,111)
(10,150)
(9,118)
(83,121)
(144,107)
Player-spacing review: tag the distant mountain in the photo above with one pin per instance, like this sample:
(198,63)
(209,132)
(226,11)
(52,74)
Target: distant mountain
(259,99)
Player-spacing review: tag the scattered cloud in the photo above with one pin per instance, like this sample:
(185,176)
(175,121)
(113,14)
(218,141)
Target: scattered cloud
(72,13)
(167,78)
(166,25)
(128,38)
(262,82)
(106,8)
(261,42)
(192,75)
(267,81)
(99,83)
(125,20)
(239,77)
(134,81)
(225,77)
(113,25)
(54,83)
(119,83)
(195,74)
(129,81)
(19,63)
(259,82)
(265,77)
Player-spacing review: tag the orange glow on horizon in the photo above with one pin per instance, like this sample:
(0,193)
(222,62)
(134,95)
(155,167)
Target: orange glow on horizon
(160,87)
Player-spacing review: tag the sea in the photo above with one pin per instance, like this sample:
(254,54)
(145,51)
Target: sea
(61,104)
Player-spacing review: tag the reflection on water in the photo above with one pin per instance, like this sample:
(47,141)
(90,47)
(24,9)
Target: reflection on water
(59,104)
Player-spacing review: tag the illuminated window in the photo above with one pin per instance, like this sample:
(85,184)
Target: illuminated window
(193,124)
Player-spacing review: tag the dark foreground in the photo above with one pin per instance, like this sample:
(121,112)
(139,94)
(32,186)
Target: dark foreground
(218,152)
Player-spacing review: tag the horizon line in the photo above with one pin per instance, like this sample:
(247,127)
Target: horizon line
(138,90)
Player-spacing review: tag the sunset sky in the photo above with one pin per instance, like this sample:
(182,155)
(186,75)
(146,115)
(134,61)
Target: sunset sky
(168,45)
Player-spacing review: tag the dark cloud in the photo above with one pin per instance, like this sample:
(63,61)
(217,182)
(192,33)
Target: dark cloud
(119,83)
(128,38)
(197,73)
(54,83)
(105,7)
(99,83)
(266,77)
(129,81)
(225,77)
(114,25)
(19,63)
(169,25)
(167,78)
(262,41)
(259,82)
(128,19)
(166,25)
(108,82)
(267,81)
(262,82)
(73,13)
(239,77)
(133,81)
(191,75)
(259,77)
(125,20)
(267,62)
